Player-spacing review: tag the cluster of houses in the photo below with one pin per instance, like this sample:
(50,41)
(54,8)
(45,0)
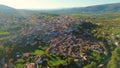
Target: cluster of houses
(76,45)
(46,29)
(63,36)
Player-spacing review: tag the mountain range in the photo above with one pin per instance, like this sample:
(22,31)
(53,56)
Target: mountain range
(105,8)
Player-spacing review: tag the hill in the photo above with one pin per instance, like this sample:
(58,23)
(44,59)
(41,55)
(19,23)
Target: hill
(7,10)
(106,8)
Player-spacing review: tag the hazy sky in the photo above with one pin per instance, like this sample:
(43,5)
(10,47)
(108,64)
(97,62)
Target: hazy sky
(53,4)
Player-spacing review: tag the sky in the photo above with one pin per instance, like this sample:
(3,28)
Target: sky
(53,4)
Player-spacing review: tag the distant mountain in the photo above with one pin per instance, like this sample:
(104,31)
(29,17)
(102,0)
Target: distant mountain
(7,10)
(106,8)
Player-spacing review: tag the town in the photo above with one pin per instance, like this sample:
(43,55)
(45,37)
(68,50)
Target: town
(85,37)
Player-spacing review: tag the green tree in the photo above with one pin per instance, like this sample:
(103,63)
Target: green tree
(115,59)
(91,65)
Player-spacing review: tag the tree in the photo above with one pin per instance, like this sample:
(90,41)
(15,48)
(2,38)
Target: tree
(115,59)
(2,51)
(91,65)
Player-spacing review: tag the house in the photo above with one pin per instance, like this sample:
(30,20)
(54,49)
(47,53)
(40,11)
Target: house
(116,43)
(76,60)
(30,65)
(27,54)
(38,59)
(101,65)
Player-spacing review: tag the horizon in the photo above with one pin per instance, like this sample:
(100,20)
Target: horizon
(53,4)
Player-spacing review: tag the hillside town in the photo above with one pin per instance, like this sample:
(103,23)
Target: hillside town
(66,36)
